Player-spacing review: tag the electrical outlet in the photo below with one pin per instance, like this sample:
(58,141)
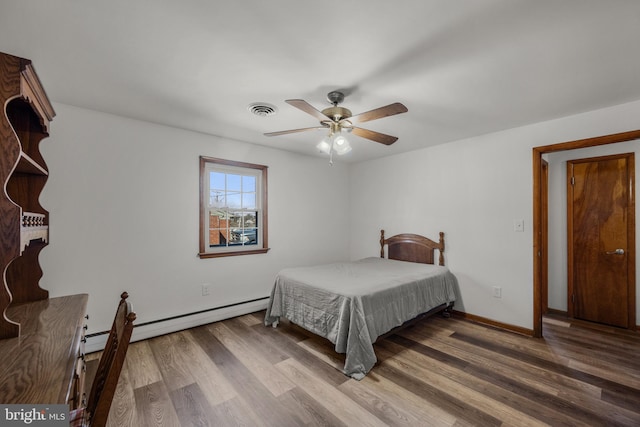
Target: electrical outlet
(205,289)
(518,225)
(497,292)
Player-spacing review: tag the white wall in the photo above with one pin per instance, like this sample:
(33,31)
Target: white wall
(558,216)
(473,190)
(123,198)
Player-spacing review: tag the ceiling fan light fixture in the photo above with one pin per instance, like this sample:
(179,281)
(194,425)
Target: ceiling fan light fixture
(341,145)
(334,144)
(324,147)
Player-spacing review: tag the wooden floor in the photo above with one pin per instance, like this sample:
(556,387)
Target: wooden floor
(439,372)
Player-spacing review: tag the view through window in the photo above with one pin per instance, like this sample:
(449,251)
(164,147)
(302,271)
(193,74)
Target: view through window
(233,207)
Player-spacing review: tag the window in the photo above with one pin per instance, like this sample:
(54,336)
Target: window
(233,208)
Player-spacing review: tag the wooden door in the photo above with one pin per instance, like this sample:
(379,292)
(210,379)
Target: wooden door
(601,231)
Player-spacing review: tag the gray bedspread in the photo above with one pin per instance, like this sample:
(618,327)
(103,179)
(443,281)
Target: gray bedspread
(353,303)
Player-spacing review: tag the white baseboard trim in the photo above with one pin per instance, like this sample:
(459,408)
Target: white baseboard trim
(150,330)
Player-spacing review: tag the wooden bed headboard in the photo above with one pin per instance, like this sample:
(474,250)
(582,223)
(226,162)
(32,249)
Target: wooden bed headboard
(412,248)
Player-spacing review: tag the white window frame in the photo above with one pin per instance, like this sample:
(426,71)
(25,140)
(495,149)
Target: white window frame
(212,164)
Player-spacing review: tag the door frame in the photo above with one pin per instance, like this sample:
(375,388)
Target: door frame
(544,236)
(540,214)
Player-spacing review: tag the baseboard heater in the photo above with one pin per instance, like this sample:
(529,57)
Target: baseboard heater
(144,330)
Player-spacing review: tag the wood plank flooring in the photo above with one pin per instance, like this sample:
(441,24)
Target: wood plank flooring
(439,372)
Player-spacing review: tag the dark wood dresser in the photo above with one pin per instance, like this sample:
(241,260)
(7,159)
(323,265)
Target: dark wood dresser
(45,364)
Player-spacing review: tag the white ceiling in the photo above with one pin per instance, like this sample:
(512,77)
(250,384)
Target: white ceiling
(462,68)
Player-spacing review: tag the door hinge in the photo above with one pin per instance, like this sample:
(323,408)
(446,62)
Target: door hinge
(573,298)
(573,180)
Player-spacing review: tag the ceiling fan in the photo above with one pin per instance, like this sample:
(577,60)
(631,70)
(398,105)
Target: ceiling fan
(337,119)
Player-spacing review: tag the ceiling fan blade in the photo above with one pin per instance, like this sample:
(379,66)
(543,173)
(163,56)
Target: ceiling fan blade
(307,108)
(378,113)
(284,132)
(374,136)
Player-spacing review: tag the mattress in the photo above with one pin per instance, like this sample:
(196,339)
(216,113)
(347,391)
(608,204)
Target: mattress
(353,303)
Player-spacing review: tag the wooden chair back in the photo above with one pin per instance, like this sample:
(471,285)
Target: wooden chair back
(110,365)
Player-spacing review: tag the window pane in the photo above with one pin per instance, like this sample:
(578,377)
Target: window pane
(217,217)
(248,184)
(235,219)
(250,236)
(234,200)
(249,200)
(218,237)
(235,237)
(216,180)
(244,236)
(218,229)
(250,219)
(216,198)
(234,182)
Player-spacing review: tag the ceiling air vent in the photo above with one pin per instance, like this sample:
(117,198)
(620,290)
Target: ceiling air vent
(262,109)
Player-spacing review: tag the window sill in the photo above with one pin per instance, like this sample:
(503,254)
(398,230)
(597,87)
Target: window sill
(233,253)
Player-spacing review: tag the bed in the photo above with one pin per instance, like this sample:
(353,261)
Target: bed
(353,303)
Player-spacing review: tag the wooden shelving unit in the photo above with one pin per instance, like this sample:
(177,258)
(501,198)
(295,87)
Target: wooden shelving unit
(41,338)
(24,223)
